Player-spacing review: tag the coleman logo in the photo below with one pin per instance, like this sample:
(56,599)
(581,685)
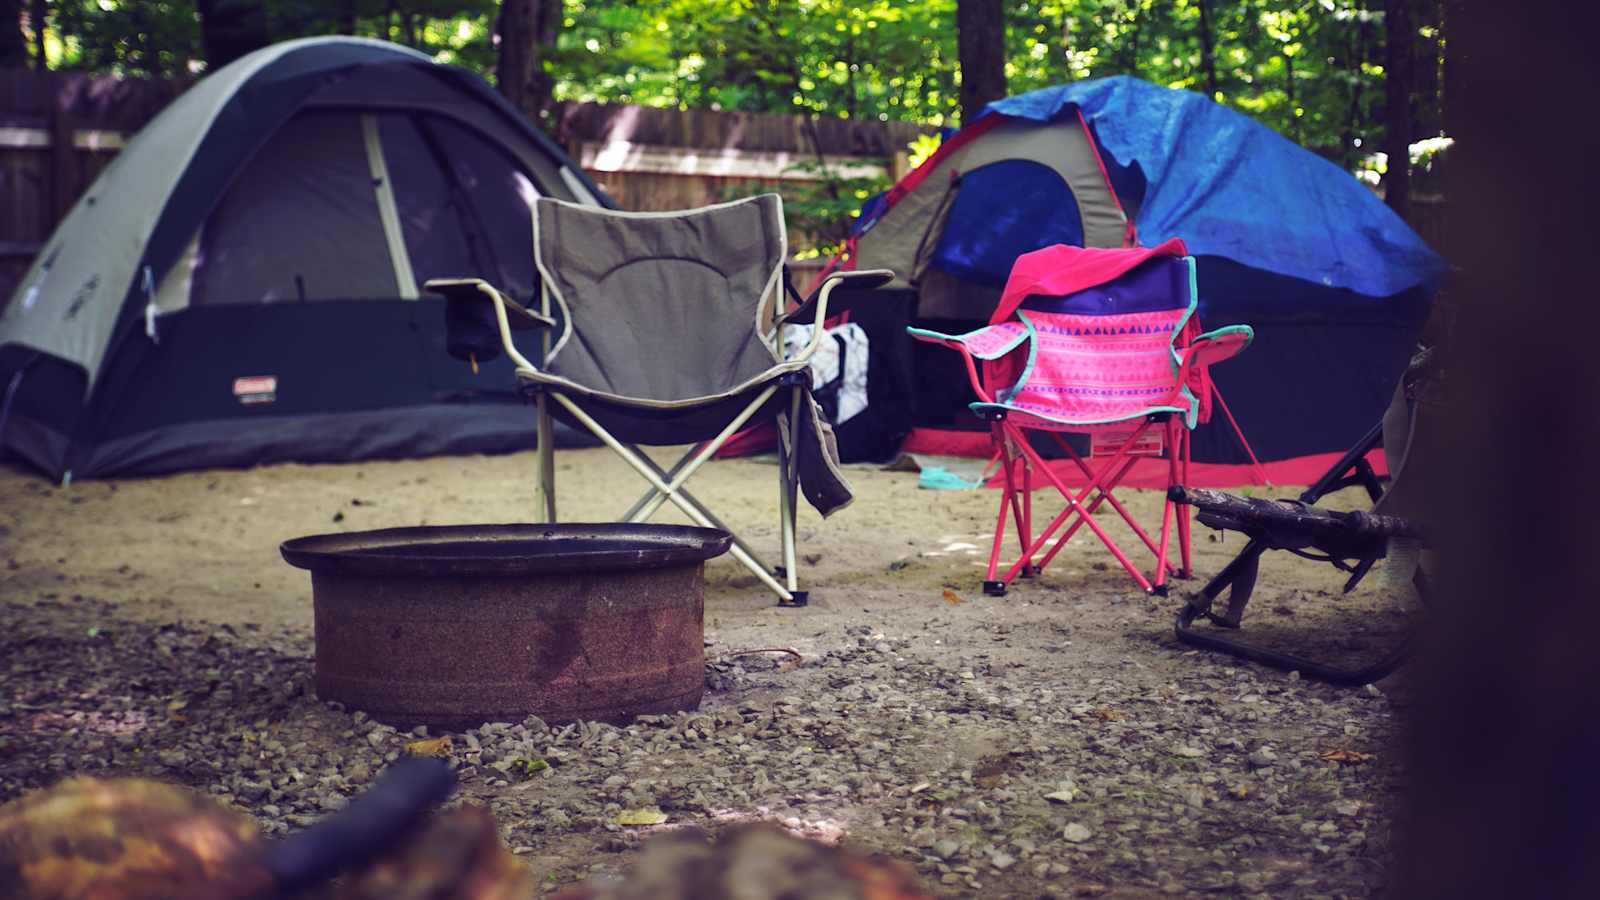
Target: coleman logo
(256,389)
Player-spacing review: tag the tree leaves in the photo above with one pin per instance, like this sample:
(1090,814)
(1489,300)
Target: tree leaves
(1311,69)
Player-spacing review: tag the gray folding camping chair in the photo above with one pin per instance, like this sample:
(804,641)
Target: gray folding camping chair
(664,329)
(1394,528)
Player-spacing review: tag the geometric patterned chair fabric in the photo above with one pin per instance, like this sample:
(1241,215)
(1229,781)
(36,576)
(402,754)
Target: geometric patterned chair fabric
(1096,341)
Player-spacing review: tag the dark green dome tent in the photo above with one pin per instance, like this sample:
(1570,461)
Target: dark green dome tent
(241,284)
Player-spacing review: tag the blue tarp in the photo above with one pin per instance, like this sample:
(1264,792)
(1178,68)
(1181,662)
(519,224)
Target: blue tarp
(1233,188)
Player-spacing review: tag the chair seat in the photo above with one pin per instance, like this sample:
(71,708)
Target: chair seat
(657,425)
(774,375)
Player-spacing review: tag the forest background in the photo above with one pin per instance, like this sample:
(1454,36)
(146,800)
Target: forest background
(1360,82)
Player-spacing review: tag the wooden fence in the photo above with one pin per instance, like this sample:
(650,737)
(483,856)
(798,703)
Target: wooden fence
(58,131)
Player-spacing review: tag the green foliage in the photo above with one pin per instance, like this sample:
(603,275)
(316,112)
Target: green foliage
(161,38)
(157,37)
(818,213)
(1311,69)
(876,59)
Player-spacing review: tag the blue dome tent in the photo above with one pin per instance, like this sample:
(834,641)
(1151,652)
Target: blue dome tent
(1335,284)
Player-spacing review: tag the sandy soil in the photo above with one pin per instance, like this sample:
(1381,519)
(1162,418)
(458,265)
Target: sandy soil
(204,545)
(202,548)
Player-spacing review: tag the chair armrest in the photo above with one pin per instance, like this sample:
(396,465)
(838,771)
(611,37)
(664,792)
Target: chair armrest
(955,342)
(519,317)
(1213,347)
(815,306)
(467,290)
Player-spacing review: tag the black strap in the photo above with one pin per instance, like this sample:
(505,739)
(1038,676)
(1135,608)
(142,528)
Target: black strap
(788,288)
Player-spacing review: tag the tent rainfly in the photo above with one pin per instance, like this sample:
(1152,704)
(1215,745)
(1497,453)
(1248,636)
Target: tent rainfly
(1336,286)
(241,284)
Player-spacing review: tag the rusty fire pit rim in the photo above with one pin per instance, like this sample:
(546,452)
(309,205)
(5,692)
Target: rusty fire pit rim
(362,552)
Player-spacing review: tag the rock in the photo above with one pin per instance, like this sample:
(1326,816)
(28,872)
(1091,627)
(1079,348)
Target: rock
(1188,752)
(1076,832)
(946,848)
(1002,861)
(1262,757)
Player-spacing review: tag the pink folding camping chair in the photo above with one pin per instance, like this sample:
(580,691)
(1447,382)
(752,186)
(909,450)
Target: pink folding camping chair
(1103,343)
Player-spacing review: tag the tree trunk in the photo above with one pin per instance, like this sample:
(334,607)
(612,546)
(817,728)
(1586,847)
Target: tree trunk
(1398,127)
(37,18)
(1295,130)
(1129,65)
(527,31)
(981,50)
(1208,49)
(1503,787)
(1066,46)
(13,44)
(347,17)
(230,29)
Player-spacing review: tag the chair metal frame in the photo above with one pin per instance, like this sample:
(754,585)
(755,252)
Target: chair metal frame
(668,485)
(1351,542)
(1019,459)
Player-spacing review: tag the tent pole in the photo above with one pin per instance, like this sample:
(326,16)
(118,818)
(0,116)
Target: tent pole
(388,210)
(1255,464)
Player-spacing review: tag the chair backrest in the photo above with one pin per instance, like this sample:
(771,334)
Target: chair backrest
(1105,353)
(662,306)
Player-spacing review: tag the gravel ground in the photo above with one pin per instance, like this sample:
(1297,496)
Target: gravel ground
(1055,742)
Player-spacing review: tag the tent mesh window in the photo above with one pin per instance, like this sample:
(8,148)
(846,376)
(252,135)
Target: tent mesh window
(314,180)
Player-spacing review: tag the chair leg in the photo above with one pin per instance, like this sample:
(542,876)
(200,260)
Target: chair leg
(1186,633)
(993,586)
(652,500)
(1018,496)
(1093,505)
(1074,504)
(1166,507)
(788,498)
(1106,496)
(1185,570)
(1102,484)
(673,490)
(544,484)
(1030,569)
